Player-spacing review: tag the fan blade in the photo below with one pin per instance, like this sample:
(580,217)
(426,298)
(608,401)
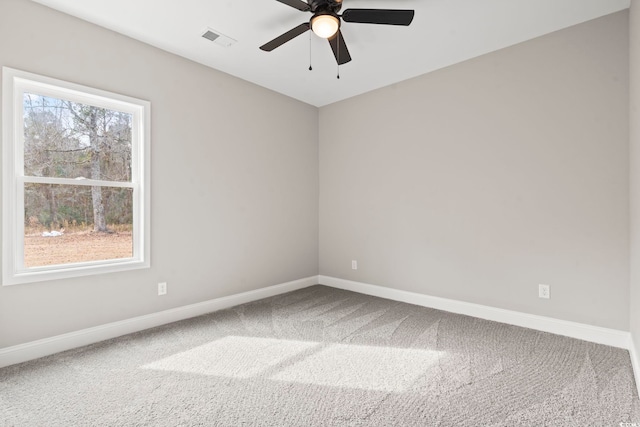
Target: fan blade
(296,4)
(339,48)
(282,39)
(378,16)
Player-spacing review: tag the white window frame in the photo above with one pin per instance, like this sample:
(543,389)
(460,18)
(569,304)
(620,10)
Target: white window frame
(14,84)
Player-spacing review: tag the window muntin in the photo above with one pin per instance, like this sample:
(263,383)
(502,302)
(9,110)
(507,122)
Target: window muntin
(76,180)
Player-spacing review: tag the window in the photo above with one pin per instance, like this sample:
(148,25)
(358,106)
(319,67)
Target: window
(75,180)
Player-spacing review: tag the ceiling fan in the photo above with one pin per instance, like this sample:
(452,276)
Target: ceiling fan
(325,23)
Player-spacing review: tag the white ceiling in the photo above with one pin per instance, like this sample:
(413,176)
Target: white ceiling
(443,32)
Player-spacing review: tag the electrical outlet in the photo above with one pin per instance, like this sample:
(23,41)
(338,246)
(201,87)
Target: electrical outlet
(543,291)
(354,264)
(162,288)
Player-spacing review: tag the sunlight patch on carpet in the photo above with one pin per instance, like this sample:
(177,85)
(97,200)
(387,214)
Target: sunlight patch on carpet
(336,365)
(363,367)
(235,357)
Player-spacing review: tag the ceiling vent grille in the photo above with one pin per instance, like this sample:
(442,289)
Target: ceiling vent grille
(210,35)
(218,38)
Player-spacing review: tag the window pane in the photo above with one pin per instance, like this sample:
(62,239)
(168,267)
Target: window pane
(62,226)
(66,139)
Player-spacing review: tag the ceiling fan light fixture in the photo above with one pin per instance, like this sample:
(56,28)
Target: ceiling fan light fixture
(325,25)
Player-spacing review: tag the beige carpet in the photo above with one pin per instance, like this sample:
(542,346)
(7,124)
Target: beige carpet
(326,357)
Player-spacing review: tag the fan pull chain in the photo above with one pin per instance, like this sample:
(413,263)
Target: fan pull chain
(310,67)
(338,50)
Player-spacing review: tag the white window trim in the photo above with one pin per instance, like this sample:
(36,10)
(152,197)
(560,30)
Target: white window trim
(14,83)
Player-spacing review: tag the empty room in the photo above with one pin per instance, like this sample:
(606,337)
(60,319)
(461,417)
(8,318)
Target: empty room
(320,213)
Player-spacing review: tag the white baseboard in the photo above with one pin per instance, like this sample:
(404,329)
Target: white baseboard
(635,362)
(44,347)
(612,337)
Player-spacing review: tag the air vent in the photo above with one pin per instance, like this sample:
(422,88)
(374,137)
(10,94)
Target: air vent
(218,38)
(210,35)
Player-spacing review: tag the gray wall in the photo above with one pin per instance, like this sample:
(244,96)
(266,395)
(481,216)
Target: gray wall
(234,204)
(634,157)
(476,182)
(480,181)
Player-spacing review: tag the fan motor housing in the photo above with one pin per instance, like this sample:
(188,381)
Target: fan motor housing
(325,6)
